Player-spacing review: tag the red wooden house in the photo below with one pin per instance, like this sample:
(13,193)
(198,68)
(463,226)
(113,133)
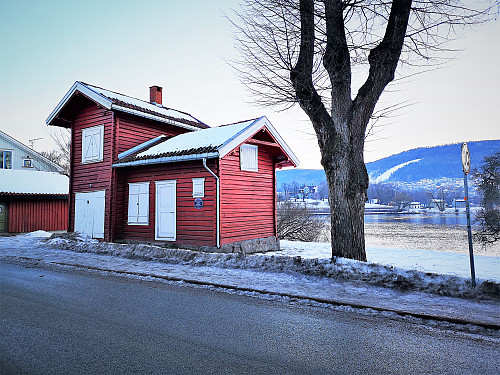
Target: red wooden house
(143,172)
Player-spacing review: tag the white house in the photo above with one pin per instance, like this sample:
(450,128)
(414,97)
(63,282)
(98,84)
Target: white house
(15,155)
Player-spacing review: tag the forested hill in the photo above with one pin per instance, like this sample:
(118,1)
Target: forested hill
(409,166)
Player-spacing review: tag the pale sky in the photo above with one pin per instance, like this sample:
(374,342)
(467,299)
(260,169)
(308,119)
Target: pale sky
(127,46)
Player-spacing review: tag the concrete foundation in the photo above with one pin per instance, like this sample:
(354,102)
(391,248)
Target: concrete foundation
(258,245)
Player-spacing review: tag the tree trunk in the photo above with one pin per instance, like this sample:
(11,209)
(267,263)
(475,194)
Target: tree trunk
(347,178)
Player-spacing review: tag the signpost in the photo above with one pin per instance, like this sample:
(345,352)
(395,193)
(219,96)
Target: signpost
(466,169)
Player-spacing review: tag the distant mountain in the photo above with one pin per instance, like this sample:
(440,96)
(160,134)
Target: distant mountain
(430,163)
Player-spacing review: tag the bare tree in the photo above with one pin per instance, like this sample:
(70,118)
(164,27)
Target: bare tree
(305,52)
(61,155)
(297,223)
(488,182)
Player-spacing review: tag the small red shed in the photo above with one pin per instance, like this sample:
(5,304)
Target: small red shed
(33,200)
(143,172)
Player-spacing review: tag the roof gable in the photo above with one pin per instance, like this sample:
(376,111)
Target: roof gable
(123,103)
(29,151)
(206,143)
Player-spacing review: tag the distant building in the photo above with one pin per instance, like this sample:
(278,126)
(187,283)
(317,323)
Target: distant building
(437,204)
(15,155)
(458,204)
(33,193)
(415,205)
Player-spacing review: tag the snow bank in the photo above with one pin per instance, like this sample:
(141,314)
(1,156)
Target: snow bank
(39,234)
(338,268)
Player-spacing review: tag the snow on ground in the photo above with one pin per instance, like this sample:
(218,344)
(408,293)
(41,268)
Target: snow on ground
(301,269)
(447,263)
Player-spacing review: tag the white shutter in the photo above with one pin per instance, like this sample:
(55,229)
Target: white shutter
(249,158)
(198,187)
(92,144)
(133,202)
(138,203)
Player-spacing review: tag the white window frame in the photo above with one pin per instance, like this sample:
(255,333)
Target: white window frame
(3,155)
(138,202)
(199,187)
(28,161)
(94,135)
(249,158)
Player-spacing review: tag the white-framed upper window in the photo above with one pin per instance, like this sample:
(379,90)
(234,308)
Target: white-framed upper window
(138,203)
(5,159)
(27,163)
(198,187)
(249,156)
(92,144)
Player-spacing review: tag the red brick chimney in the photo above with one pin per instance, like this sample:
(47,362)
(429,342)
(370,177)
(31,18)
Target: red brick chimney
(155,95)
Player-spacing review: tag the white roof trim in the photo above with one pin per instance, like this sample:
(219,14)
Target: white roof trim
(78,86)
(140,147)
(249,131)
(108,104)
(168,159)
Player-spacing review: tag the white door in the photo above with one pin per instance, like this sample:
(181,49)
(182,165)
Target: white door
(89,213)
(165,210)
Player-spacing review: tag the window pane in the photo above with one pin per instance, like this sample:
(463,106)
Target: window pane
(8,159)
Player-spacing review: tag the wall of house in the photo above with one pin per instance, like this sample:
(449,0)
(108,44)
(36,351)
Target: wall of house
(28,214)
(132,131)
(195,227)
(129,131)
(247,198)
(92,176)
(21,152)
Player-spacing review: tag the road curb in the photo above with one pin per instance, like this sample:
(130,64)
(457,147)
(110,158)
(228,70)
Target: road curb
(440,318)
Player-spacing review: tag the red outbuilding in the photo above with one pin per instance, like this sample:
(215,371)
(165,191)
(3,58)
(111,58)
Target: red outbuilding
(141,172)
(33,200)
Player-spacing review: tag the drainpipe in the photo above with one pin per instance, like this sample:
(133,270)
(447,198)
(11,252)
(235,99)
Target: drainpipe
(218,200)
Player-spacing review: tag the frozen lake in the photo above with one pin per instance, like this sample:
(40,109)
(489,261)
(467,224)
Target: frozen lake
(446,219)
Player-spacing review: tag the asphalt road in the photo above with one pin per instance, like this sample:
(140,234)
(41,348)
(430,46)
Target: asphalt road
(64,322)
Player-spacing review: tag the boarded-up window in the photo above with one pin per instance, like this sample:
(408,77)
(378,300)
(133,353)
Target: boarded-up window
(92,144)
(198,187)
(138,203)
(249,158)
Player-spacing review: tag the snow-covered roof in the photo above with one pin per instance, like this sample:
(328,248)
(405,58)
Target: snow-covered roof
(13,181)
(205,143)
(124,103)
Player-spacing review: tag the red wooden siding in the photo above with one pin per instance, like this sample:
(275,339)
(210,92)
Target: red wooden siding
(121,132)
(194,226)
(132,131)
(247,198)
(91,176)
(31,214)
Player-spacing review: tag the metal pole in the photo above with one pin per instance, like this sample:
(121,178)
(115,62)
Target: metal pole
(469,231)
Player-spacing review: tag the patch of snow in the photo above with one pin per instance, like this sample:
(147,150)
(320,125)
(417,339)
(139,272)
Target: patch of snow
(212,137)
(39,234)
(426,261)
(387,174)
(17,181)
(286,261)
(143,104)
(348,281)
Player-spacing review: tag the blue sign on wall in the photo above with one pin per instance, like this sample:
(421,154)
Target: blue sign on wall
(198,203)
